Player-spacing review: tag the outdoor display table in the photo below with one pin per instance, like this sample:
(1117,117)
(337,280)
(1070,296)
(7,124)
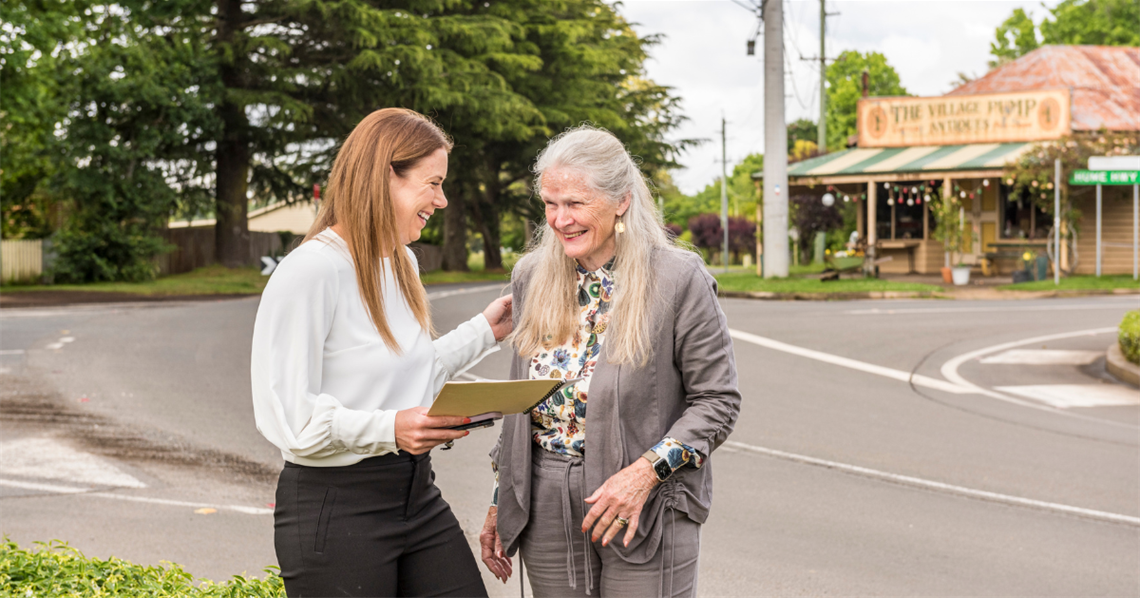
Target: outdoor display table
(906,244)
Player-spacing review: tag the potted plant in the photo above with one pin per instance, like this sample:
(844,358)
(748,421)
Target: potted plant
(951,232)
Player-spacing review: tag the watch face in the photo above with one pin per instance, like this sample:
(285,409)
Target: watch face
(661,468)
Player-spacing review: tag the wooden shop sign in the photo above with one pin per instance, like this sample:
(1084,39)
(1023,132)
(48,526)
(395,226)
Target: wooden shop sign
(952,120)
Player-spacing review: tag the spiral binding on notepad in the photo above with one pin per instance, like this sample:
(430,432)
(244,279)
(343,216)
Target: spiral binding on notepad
(557,388)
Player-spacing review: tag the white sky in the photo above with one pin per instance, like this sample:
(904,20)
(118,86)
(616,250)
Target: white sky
(703,58)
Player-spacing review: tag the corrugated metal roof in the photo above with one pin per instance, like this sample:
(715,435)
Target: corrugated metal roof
(1104,82)
(930,158)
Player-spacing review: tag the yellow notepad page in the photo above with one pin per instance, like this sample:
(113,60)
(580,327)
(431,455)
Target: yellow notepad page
(506,396)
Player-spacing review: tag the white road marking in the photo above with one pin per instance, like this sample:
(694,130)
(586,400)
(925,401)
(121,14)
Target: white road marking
(950,372)
(53,488)
(465,291)
(862,366)
(938,486)
(46,458)
(57,489)
(1044,357)
(1064,396)
(101,308)
(879,311)
(61,342)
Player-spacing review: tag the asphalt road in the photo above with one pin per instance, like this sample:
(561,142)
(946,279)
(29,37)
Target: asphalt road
(884,447)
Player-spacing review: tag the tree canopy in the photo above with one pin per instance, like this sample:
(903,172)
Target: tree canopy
(742,197)
(845,87)
(1087,22)
(33,44)
(140,109)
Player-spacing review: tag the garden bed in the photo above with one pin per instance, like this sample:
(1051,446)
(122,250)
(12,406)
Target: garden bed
(58,570)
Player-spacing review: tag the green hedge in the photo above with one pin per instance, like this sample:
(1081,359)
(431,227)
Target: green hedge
(1130,336)
(56,569)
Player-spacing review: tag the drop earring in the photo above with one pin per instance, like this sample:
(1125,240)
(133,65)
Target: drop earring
(620,226)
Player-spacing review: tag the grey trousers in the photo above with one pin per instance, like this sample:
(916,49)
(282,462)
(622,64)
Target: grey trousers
(561,561)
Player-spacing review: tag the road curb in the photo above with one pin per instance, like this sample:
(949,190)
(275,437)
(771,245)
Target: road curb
(1120,367)
(967,294)
(46,299)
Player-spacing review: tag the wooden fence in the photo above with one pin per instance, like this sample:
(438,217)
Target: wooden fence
(194,248)
(430,257)
(21,261)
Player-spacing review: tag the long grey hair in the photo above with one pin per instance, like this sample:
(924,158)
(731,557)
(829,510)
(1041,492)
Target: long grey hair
(549,316)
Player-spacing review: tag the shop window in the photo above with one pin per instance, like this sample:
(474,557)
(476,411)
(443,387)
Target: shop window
(902,207)
(1022,220)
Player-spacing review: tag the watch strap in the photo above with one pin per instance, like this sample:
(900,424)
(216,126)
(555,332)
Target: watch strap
(660,466)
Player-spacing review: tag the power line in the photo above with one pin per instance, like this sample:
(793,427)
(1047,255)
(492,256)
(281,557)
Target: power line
(822,58)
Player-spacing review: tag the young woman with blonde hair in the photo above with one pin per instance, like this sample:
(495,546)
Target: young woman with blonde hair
(344,367)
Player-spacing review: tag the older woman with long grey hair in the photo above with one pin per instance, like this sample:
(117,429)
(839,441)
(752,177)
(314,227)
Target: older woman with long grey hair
(604,486)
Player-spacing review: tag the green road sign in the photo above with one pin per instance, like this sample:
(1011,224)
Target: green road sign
(1105,177)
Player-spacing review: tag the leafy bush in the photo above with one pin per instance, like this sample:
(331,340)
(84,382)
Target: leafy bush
(708,234)
(810,216)
(1130,336)
(94,251)
(56,569)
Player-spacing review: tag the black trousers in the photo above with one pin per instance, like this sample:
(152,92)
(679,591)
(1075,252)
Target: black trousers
(376,528)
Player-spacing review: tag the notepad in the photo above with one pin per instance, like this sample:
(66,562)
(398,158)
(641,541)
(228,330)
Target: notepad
(467,399)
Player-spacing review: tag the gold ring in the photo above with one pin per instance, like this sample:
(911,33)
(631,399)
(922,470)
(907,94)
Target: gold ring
(621,521)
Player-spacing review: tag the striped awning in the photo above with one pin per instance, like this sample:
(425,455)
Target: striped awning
(919,159)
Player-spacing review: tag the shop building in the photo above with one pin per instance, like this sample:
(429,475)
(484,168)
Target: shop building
(911,148)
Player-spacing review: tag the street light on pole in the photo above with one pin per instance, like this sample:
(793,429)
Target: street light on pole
(775,144)
(775,185)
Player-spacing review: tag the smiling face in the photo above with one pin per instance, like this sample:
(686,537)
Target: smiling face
(418,194)
(582,218)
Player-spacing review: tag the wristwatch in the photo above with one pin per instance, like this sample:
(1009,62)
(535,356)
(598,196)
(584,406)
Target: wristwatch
(660,466)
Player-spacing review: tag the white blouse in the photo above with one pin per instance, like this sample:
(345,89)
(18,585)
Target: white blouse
(325,386)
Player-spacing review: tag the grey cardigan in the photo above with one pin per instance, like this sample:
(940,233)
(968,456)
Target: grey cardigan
(687,391)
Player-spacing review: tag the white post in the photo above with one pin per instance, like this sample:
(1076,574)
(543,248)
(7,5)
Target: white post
(775,145)
(947,189)
(1098,227)
(872,228)
(961,226)
(1057,221)
(822,128)
(724,193)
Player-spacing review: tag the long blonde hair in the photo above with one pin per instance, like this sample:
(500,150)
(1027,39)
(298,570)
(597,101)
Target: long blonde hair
(358,198)
(550,312)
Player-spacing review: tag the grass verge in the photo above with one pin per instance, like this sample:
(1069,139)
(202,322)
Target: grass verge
(749,282)
(56,569)
(211,280)
(219,280)
(1115,281)
(442,277)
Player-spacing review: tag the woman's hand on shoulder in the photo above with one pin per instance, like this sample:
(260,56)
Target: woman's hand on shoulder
(493,554)
(499,315)
(417,432)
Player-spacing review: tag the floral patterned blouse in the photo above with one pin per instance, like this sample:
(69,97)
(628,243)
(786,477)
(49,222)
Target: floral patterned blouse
(559,423)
